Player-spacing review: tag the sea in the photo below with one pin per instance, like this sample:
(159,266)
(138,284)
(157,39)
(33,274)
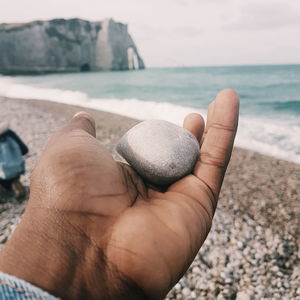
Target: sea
(270,98)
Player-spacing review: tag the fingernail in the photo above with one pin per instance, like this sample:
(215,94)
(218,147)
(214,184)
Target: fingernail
(79,113)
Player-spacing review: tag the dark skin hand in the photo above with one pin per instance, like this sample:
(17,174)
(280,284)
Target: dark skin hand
(92,230)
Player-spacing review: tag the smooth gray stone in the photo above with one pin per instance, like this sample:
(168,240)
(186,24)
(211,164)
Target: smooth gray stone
(159,151)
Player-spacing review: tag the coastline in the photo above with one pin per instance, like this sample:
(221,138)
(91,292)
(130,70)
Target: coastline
(270,127)
(256,232)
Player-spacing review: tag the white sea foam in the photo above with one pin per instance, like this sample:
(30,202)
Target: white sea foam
(134,108)
(271,137)
(278,138)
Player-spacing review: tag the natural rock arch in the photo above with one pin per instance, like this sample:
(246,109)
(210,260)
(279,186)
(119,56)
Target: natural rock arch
(85,67)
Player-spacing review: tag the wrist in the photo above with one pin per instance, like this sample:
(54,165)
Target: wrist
(61,259)
(37,254)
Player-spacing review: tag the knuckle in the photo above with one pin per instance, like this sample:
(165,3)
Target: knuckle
(220,126)
(216,159)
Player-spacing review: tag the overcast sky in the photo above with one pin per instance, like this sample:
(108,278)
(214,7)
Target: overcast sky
(186,32)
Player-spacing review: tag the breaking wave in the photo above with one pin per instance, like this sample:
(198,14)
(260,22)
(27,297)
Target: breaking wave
(273,137)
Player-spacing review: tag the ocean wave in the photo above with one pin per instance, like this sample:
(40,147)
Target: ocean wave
(292,106)
(273,137)
(134,108)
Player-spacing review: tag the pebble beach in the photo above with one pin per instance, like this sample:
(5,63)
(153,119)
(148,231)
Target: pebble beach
(252,251)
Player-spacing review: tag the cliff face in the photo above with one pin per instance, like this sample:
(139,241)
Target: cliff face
(67,46)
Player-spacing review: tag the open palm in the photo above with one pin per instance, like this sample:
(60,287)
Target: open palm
(131,241)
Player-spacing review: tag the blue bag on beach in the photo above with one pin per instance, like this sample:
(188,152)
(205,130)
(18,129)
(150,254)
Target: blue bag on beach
(12,164)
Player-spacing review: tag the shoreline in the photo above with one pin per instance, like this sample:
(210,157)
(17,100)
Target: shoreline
(55,107)
(255,236)
(267,131)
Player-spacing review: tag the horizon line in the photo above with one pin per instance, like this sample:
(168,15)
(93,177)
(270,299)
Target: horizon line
(218,66)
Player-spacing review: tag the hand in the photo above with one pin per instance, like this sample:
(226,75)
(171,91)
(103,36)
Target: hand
(92,229)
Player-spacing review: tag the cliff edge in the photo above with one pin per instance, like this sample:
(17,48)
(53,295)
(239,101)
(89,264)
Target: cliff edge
(71,45)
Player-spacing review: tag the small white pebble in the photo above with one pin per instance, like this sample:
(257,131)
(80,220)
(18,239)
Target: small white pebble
(186,292)
(242,296)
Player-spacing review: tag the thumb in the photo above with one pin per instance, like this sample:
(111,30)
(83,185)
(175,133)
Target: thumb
(83,120)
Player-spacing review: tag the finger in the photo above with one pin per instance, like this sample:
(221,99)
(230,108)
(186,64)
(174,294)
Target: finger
(218,141)
(195,124)
(83,120)
(209,117)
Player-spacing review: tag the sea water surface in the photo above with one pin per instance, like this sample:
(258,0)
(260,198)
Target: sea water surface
(270,98)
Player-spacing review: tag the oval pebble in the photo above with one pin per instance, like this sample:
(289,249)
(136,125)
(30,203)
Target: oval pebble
(159,151)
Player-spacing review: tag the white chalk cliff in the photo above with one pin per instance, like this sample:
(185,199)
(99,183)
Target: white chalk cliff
(67,46)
